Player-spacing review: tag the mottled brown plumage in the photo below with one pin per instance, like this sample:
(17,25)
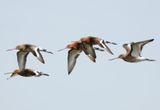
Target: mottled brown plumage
(89,41)
(26,73)
(76,47)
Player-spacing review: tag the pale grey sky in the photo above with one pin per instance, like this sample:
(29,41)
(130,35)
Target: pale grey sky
(105,85)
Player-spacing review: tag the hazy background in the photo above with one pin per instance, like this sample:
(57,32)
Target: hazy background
(103,85)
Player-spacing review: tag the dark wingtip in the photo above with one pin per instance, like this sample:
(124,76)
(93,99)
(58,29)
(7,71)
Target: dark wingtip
(149,40)
(94,60)
(69,72)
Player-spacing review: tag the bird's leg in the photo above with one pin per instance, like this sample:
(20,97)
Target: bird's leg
(96,48)
(150,59)
(108,42)
(45,50)
(45,74)
(41,73)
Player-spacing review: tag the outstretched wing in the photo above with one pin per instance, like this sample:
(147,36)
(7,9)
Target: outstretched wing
(138,46)
(72,57)
(89,51)
(22,58)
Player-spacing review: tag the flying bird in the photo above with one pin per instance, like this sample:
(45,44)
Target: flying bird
(133,52)
(26,73)
(89,41)
(24,50)
(76,47)
(75,50)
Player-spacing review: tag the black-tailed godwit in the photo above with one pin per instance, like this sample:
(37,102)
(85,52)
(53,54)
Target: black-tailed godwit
(24,50)
(133,52)
(89,41)
(26,73)
(76,47)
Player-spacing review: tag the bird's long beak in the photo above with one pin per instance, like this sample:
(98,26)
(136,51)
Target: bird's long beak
(108,42)
(8,78)
(61,49)
(8,73)
(11,49)
(12,75)
(113,58)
